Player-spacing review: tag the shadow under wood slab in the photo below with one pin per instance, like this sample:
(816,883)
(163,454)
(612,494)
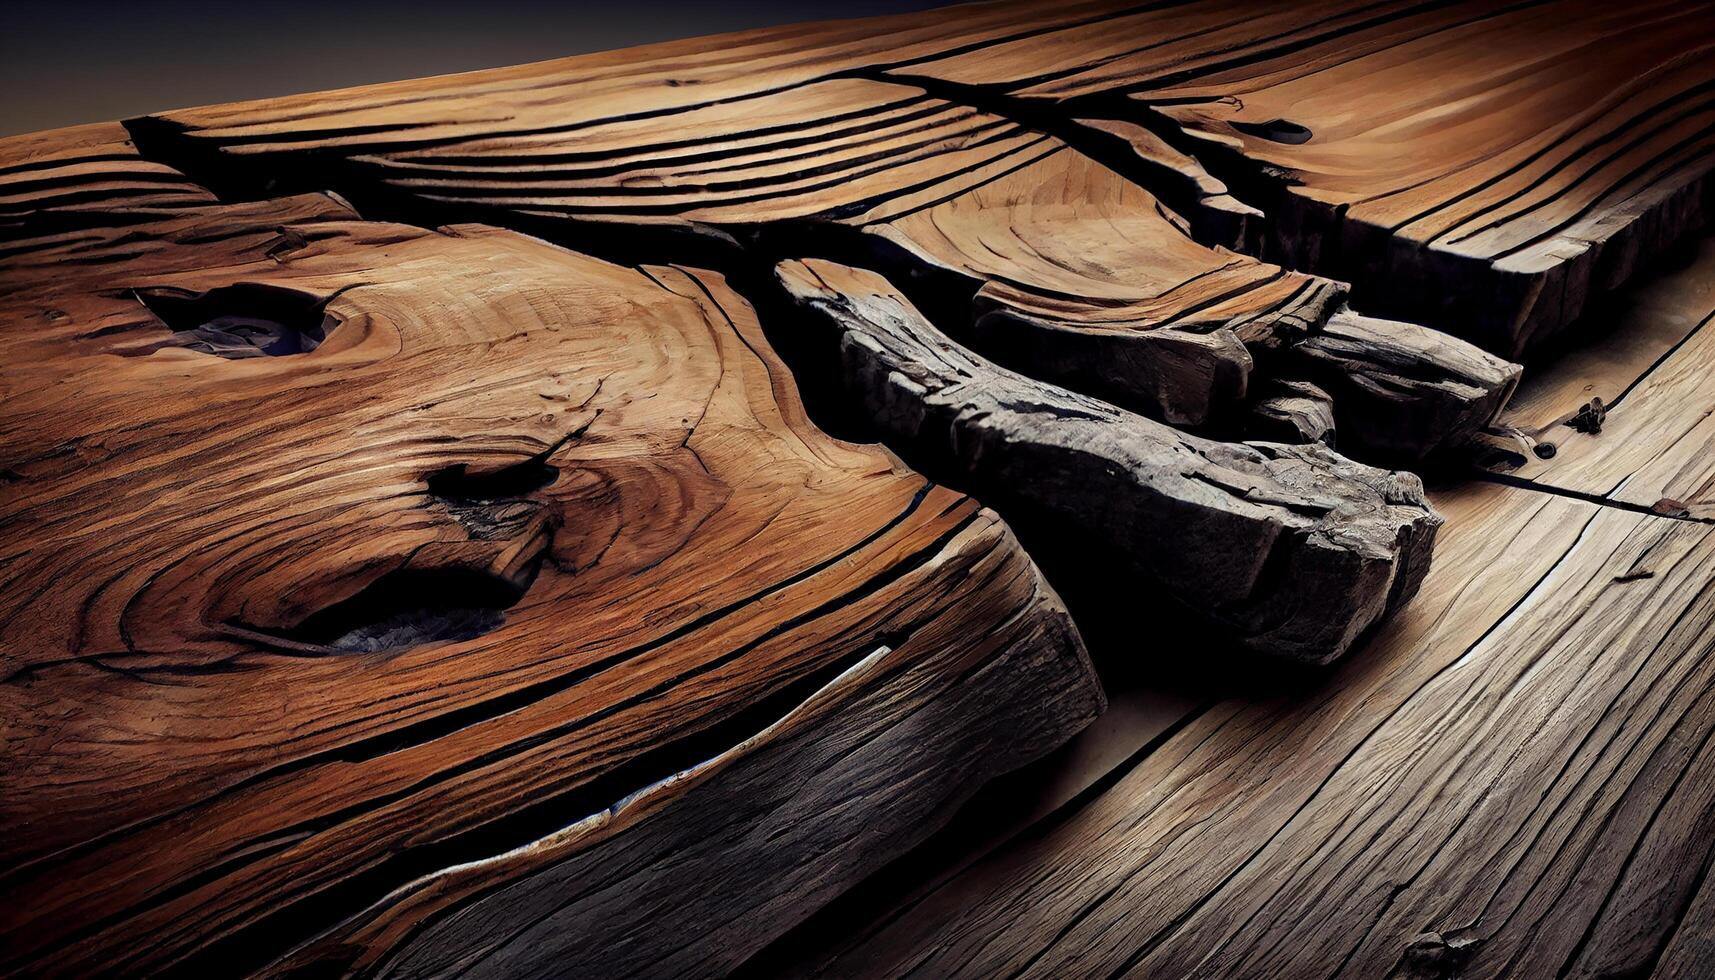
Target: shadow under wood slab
(1288,550)
(522,626)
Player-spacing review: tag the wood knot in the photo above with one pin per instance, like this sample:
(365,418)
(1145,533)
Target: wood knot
(240,321)
(1589,417)
(1671,507)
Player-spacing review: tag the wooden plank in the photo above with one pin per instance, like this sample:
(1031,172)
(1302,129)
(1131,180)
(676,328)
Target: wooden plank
(1512,780)
(1508,164)
(1557,148)
(1141,714)
(367,585)
(1648,368)
(1693,946)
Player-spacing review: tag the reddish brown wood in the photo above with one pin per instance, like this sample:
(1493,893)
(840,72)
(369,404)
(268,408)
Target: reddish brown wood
(389,591)
(531,571)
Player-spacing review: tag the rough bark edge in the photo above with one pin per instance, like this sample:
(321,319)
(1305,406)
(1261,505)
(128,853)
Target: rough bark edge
(1289,550)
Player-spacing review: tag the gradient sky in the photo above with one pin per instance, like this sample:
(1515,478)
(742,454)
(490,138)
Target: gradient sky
(77,61)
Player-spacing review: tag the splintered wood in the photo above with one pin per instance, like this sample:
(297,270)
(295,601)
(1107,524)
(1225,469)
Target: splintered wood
(419,561)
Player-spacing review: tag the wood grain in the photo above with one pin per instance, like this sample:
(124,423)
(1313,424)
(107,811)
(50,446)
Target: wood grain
(1648,367)
(417,560)
(1083,278)
(1510,783)
(1400,393)
(55,183)
(1505,163)
(1080,275)
(529,581)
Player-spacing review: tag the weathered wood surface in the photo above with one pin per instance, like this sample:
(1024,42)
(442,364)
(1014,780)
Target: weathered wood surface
(1482,168)
(1400,392)
(529,582)
(1513,161)
(1529,786)
(1083,277)
(1511,781)
(1648,367)
(390,592)
(1079,275)
(1292,411)
(1285,549)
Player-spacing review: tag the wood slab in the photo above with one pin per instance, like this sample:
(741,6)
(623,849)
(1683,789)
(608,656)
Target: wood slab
(1509,782)
(390,599)
(1482,169)
(1068,269)
(1081,277)
(1509,163)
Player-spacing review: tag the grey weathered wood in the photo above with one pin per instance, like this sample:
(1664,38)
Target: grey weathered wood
(1291,550)
(1293,411)
(1401,392)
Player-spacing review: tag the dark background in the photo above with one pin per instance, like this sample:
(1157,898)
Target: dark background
(77,61)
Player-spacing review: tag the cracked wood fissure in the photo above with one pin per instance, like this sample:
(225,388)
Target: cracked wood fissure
(390,592)
(1052,261)
(1485,168)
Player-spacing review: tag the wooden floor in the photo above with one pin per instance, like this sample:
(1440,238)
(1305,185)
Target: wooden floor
(1515,778)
